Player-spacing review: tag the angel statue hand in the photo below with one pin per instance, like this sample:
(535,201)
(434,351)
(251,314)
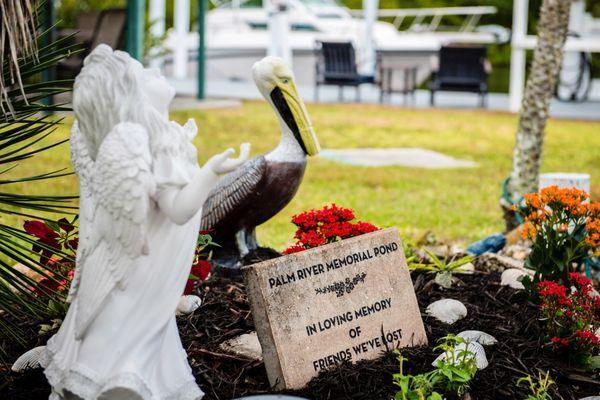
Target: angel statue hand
(223,163)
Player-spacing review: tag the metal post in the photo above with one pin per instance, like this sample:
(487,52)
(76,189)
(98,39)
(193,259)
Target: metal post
(181,22)
(517,54)
(48,21)
(156,15)
(278,28)
(202,6)
(135,28)
(371,8)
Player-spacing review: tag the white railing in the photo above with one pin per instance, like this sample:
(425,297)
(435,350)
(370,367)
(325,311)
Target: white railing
(472,16)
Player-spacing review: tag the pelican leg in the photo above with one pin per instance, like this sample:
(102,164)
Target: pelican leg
(251,240)
(242,242)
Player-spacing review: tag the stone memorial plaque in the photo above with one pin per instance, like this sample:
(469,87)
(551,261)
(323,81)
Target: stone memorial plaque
(348,300)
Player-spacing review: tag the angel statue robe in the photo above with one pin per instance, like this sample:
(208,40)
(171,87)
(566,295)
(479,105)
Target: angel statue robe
(119,339)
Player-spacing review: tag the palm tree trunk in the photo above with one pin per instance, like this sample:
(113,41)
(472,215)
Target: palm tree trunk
(547,57)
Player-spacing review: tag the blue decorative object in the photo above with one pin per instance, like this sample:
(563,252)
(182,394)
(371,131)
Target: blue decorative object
(491,244)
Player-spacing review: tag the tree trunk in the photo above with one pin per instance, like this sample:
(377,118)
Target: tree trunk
(541,82)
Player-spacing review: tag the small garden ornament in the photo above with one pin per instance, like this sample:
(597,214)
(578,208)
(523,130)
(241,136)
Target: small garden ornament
(447,311)
(484,339)
(512,277)
(140,206)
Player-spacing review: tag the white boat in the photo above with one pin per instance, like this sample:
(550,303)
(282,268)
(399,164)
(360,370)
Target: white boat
(237,36)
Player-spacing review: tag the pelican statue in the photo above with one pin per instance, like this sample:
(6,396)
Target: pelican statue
(265,184)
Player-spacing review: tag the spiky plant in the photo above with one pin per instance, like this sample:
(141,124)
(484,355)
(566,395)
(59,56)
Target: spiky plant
(26,126)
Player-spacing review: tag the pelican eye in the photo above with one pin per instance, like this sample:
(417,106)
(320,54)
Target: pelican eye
(284,80)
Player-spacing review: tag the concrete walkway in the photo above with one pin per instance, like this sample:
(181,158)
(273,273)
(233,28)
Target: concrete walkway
(589,110)
(408,157)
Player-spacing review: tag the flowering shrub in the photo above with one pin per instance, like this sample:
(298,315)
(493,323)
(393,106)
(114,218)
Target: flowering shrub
(327,225)
(564,229)
(572,316)
(56,244)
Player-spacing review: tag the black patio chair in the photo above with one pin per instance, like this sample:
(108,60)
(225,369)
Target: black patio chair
(109,29)
(336,66)
(462,69)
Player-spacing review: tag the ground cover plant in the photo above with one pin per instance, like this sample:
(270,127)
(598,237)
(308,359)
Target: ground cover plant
(456,204)
(539,386)
(452,374)
(442,267)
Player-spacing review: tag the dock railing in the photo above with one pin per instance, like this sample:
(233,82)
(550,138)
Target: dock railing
(472,16)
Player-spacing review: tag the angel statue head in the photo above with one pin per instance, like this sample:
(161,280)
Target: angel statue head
(113,87)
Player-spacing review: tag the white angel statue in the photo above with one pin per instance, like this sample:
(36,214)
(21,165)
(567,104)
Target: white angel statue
(140,208)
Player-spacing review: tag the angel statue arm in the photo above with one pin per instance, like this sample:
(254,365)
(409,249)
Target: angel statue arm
(181,204)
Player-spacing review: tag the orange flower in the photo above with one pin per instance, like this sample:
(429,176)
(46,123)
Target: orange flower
(592,228)
(533,200)
(528,231)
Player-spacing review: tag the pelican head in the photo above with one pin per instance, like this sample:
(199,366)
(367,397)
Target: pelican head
(275,81)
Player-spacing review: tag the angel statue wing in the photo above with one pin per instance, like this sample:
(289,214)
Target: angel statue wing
(83,165)
(115,201)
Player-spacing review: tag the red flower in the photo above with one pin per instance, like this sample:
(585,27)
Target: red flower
(46,287)
(567,310)
(43,232)
(65,225)
(312,239)
(327,225)
(293,249)
(38,229)
(201,270)
(361,228)
(189,287)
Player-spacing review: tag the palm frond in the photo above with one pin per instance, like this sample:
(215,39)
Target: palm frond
(26,131)
(18,38)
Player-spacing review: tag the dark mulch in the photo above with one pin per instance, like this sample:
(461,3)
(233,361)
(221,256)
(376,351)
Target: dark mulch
(225,313)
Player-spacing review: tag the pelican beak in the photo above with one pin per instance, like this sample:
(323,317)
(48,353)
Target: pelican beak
(293,112)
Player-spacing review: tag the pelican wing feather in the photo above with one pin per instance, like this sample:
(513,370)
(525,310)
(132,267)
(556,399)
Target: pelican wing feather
(233,192)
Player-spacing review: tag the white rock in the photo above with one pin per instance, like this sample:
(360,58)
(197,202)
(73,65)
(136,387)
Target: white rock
(510,277)
(475,348)
(447,310)
(29,360)
(591,398)
(246,345)
(467,268)
(188,304)
(480,337)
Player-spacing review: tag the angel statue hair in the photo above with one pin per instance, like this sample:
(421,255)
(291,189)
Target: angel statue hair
(141,194)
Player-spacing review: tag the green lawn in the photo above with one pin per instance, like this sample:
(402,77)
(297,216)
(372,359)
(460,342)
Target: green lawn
(458,204)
